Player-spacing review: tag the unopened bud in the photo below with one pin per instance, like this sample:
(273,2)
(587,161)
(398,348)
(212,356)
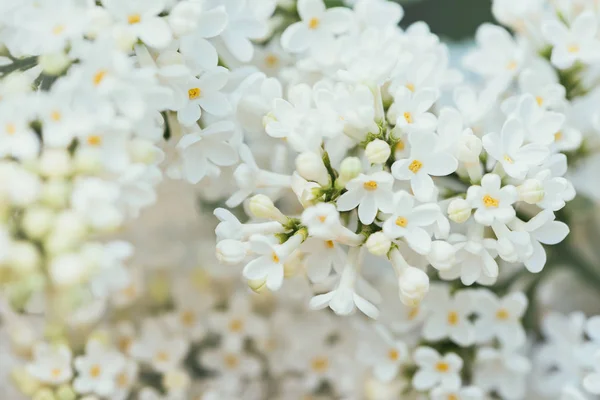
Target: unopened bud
(55,163)
(414,285)
(310,166)
(257,285)
(378,244)
(54,63)
(459,210)
(231,252)
(350,168)
(378,151)
(531,191)
(442,255)
(261,206)
(469,148)
(37,221)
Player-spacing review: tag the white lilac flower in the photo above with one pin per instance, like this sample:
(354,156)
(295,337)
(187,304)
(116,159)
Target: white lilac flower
(317,23)
(51,364)
(203,93)
(425,160)
(408,221)
(98,370)
(509,150)
(500,318)
(457,393)
(577,42)
(204,151)
(491,201)
(504,371)
(271,258)
(411,110)
(435,369)
(370,193)
(450,317)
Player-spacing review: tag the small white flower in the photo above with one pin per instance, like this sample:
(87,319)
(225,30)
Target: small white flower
(577,42)
(435,369)
(98,369)
(370,193)
(204,151)
(450,317)
(457,393)
(141,18)
(230,361)
(492,203)
(411,110)
(203,93)
(321,257)
(408,221)
(386,355)
(269,264)
(317,24)
(508,148)
(503,371)
(425,160)
(158,349)
(51,364)
(500,318)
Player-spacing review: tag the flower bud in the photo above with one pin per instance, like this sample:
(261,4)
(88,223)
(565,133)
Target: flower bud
(459,210)
(87,161)
(442,255)
(531,191)
(55,193)
(257,285)
(378,151)
(469,148)
(65,392)
(414,284)
(37,221)
(307,196)
(55,163)
(67,270)
(23,256)
(350,168)
(311,167)
(378,244)
(23,380)
(54,63)
(261,206)
(44,394)
(231,252)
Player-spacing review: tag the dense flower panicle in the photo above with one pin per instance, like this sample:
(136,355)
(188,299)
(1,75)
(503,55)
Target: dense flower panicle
(350,167)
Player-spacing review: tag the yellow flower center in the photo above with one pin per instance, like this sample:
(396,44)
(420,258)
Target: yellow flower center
(55,116)
(452,397)
(95,371)
(11,129)
(400,145)
(236,325)
(322,218)
(393,354)
(415,166)
(194,93)
(410,87)
(502,314)
(55,372)
(558,136)
(489,201)
(271,60)
(314,23)
(370,186)
(511,66)
(413,313)
(231,361)
(508,159)
(94,140)
(122,380)
(539,100)
(99,77)
(401,221)
(58,29)
(453,318)
(162,356)
(188,318)
(124,344)
(573,48)
(320,364)
(275,258)
(408,117)
(329,244)
(134,19)
(442,366)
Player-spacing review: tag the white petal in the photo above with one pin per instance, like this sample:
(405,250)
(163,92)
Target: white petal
(295,38)
(155,32)
(308,9)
